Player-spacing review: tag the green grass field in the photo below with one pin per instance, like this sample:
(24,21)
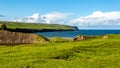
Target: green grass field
(93,53)
(14,25)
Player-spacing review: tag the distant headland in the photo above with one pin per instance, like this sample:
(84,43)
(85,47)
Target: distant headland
(34,27)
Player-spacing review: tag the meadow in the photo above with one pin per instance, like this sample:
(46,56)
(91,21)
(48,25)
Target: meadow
(59,53)
(23,25)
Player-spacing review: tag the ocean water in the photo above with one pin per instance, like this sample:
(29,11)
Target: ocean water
(72,34)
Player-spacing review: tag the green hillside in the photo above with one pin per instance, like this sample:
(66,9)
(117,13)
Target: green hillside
(93,53)
(39,26)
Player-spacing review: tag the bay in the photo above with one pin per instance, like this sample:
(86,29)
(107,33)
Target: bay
(72,34)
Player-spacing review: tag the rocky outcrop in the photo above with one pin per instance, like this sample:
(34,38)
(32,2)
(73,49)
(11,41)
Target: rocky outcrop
(7,37)
(79,38)
(105,37)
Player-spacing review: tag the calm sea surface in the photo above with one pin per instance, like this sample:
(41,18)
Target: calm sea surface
(72,34)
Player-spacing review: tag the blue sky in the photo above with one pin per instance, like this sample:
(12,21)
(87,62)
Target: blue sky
(74,9)
(79,7)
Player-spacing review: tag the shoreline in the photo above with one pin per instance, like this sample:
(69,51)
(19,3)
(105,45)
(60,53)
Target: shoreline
(36,30)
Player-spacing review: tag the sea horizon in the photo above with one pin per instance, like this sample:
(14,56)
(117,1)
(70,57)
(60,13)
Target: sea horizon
(72,34)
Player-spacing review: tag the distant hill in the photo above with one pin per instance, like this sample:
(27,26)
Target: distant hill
(36,27)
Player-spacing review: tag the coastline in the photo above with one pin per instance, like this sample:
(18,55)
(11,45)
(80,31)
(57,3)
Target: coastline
(37,30)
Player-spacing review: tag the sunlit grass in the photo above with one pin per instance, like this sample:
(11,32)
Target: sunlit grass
(39,26)
(93,53)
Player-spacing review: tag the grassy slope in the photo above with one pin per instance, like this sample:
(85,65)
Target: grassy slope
(95,53)
(36,26)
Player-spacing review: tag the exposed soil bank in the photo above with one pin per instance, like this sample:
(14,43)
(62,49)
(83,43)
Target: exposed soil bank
(7,37)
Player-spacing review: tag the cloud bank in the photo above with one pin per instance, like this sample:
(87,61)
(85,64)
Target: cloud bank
(97,19)
(55,18)
(50,18)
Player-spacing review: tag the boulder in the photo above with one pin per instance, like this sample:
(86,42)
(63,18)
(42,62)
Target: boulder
(105,37)
(79,38)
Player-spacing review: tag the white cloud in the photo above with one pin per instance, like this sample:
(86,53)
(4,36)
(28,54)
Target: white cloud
(98,18)
(55,18)
(17,19)
(50,18)
(33,19)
